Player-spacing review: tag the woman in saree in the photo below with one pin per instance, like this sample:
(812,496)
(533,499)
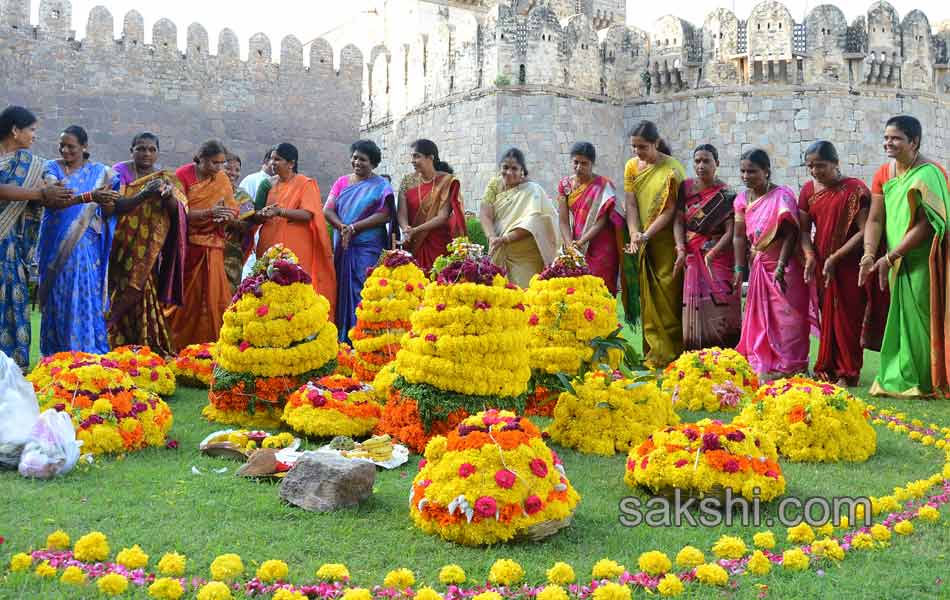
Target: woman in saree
(22,196)
(590,218)
(519,220)
(910,203)
(430,205)
(294,217)
(359,207)
(212,209)
(852,315)
(148,250)
(239,238)
(652,181)
(73,252)
(776,324)
(712,306)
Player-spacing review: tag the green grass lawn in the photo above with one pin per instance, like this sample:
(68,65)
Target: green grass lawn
(152,498)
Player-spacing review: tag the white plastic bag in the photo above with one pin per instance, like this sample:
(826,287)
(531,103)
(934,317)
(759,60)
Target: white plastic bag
(52,449)
(18,412)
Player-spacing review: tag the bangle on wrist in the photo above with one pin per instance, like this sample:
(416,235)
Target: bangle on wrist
(740,269)
(887,257)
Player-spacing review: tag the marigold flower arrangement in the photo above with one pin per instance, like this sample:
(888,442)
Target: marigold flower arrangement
(467,351)
(812,421)
(147,369)
(345,360)
(49,367)
(491,479)
(276,336)
(704,458)
(392,292)
(194,365)
(713,379)
(606,413)
(332,406)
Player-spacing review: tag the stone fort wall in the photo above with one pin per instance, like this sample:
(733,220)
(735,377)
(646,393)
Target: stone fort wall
(117,86)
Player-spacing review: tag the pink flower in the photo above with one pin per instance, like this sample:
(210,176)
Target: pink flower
(439,307)
(262,310)
(431,337)
(710,442)
(532,504)
(244,346)
(731,466)
(644,463)
(339,395)
(589,314)
(505,479)
(422,463)
(519,306)
(466,470)
(486,507)
(481,304)
(735,436)
(134,373)
(570,291)
(425,483)
(539,467)
(691,434)
(154,376)
(631,465)
(681,463)
(172,444)
(383,283)
(533,320)
(772,474)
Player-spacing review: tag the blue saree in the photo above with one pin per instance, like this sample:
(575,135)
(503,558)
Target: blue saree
(73,256)
(353,203)
(19,222)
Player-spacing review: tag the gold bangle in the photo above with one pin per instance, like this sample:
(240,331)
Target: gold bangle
(887,257)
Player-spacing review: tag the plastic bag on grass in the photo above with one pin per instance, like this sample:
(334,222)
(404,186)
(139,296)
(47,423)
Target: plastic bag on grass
(52,449)
(18,412)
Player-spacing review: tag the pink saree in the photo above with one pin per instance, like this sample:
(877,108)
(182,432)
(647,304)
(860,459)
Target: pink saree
(588,203)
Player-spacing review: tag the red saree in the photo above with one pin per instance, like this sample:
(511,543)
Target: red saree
(424,201)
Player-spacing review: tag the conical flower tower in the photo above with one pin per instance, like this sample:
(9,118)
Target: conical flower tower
(276,337)
(390,295)
(467,350)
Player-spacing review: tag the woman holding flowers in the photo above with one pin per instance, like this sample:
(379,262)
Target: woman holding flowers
(519,220)
(910,203)
(652,181)
(776,324)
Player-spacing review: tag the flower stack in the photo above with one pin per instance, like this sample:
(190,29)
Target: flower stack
(147,369)
(568,309)
(331,406)
(491,479)
(194,365)
(705,458)
(393,290)
(812,421)
(345,360)
(712,379)
(276,336)
(467,350)
(605,413)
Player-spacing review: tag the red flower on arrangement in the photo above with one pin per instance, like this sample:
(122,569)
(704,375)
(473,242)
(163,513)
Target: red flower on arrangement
(644,463)
(631,465)
(735,436)
(797,414)
(262,310)
(681,463)
(570,291)
(431,337)
(710,442)
(383,283)
(466,470)
(378,309)
(533,320)
(589,314)
(338,395)
(422,463)
(539,467)
(519,306)
(772,474)
(154,376)
(172,444)
(731,466)
(409,288)
(439,307)
(243,346)
(60,407)
(481,304)
(486,507)
(425,483)
(532,504)
(505,479)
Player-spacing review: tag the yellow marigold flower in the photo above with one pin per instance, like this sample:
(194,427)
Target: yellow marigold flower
(166,588)
(561,574)
(73,576)
(428,593)
(654,563)
(862,541)
(58,540)
(795,560)
(844,522)
(505,572)
(690,557)
(826,530)
(44,569)
(226,567)
(915,435)
(172,564)
(285,594)
(827,548)
(801,534)
(904,527)
(357,594)
(21,561)
(214,591)
(880,533)
(729,546)
(482,596)
(552,592)
(114,584)
(764,539)
(399,579)
(859,512)
(92,547)
(712,574)
(272,570)
(607,569)
(759,564)
(452,575)
(333,572)
(928,513)
(132,558)
(612,591)
(670,585)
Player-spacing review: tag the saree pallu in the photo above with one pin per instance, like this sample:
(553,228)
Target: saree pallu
(19,225)
(588,203)
(776,325)
(73,256)
(239,241)
(424,201)
(661,292)
(353,203)
(712,307)
(525,207)
(914,358)
(146,264)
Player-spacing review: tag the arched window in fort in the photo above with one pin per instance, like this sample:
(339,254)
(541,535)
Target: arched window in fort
(522,75)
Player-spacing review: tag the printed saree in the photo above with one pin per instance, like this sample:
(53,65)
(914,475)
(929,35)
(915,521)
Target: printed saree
(424,202)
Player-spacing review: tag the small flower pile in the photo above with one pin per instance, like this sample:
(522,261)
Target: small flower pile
(712,379)
(812,421)
(393,290)
(467,350)
(332,406)
(276,336)
(147,369)
(607,413)
(705,458)
(194,365)
(491,479)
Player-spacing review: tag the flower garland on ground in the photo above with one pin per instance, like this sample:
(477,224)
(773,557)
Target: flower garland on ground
(147,369)
(489,480)
(712,379)
(331,406)
(276,336)
(605,413)
(467,351)
(194,365)
(812,421)
(706,457)
(393,290)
